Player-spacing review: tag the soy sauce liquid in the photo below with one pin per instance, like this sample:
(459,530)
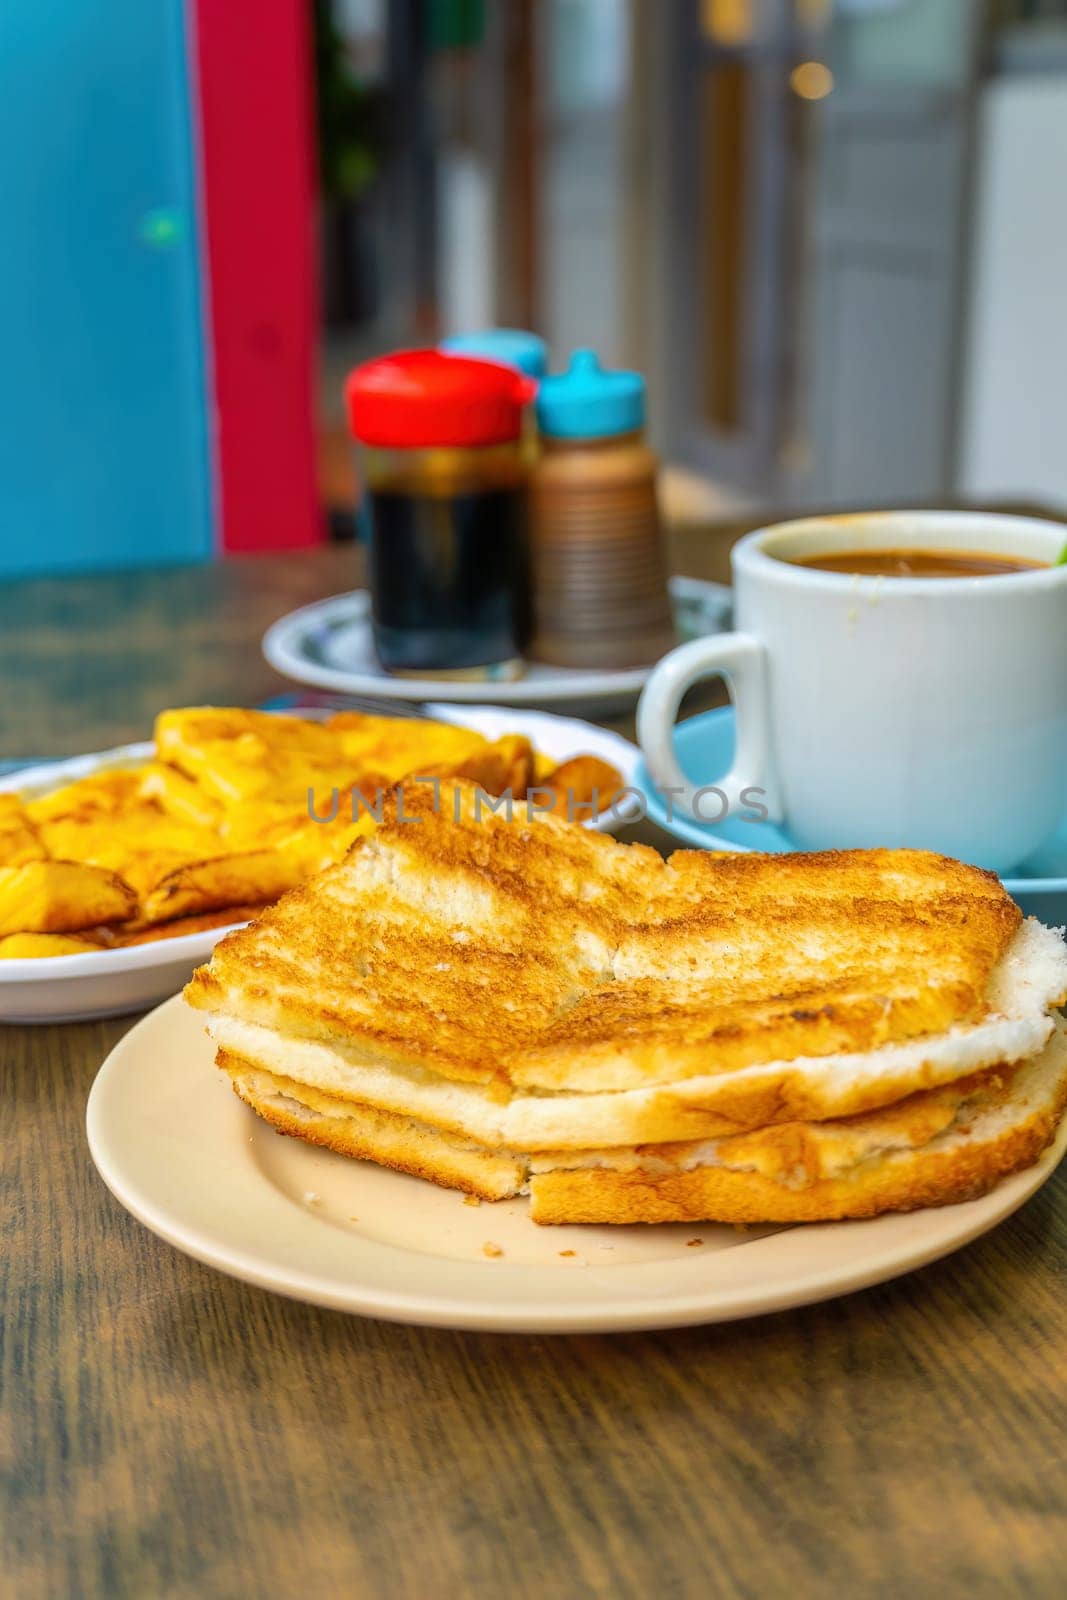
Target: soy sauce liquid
(449,574)
(449,579)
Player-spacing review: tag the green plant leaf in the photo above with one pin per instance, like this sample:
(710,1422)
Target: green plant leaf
(1061,559)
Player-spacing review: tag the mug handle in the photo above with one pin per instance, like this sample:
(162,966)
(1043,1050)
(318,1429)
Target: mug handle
(742,660)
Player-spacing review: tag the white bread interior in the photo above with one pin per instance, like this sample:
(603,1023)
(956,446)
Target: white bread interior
(938,1147)
(1029,978)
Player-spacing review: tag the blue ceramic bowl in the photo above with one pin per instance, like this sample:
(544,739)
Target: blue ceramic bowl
(705,749)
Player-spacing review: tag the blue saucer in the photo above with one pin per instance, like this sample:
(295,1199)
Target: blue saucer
(705,748)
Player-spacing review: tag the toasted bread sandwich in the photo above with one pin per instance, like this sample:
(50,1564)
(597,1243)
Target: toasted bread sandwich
(514,1005)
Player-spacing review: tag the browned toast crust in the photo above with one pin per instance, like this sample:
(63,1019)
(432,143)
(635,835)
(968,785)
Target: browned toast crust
(378,1136)
(904,1182)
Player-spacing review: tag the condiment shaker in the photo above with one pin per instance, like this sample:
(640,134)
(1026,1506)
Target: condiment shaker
(600,576)
(443,477)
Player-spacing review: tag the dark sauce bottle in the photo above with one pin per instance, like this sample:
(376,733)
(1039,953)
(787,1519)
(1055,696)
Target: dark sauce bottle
(449,579)
(445,518)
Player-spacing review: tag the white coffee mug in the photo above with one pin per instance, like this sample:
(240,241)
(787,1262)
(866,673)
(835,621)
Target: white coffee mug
(887,711)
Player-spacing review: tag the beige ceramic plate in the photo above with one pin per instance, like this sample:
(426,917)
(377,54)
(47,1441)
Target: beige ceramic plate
(186,1157)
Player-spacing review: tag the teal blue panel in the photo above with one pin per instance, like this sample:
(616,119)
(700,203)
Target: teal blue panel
(104,453)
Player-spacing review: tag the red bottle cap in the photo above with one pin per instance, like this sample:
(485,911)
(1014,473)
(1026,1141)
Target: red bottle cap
(426,397)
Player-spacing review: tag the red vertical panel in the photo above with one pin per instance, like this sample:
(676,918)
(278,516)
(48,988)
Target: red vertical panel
(257,150)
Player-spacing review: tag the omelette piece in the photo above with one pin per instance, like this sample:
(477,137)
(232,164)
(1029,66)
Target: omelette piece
(119,820)
(19,839)
(179,796)
(61,897)
(580,785)
(138,932)
(398,747)
(236,755)
(113,792)
(142,843)
(195,887)
(262,766)
(317,812)
(507,764)
(23,946)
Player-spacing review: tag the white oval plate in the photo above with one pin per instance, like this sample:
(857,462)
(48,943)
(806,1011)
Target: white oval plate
(328,644)
(100,983)
(107,983)
(175,1145)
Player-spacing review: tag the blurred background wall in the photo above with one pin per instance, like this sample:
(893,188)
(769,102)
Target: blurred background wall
(830,231)
(158,286)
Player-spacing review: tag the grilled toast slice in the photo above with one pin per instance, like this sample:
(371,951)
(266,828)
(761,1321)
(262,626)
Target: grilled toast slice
(534,961)
(716,1105)
(933,1148)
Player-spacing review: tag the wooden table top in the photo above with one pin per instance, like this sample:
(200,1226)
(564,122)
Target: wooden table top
(167,1432)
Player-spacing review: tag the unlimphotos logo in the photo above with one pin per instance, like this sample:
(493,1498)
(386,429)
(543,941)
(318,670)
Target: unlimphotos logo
(708,804)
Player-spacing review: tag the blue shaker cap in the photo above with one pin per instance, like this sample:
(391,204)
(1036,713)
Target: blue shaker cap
(588,402)
(512,346)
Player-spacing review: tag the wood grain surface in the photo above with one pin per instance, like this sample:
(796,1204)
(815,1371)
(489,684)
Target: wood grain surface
(165,1431)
